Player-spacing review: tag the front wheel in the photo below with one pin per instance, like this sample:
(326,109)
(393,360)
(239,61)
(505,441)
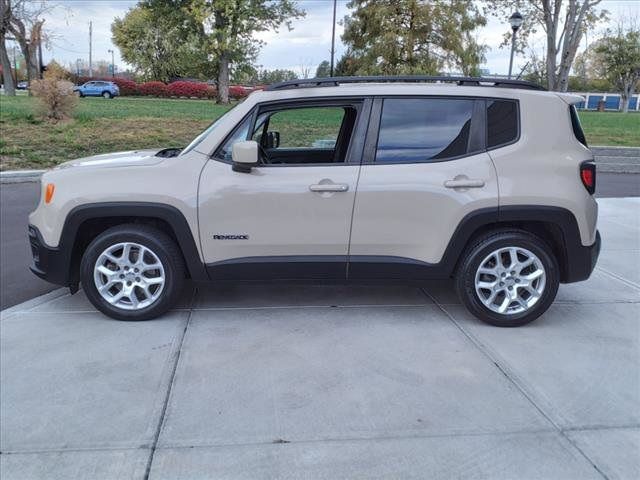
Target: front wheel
(132,272)
(508,278)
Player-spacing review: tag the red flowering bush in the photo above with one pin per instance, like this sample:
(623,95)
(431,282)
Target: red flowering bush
(127,87)
(154,89)
(237,92)
(188,89)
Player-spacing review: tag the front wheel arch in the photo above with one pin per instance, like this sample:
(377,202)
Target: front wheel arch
(85,222)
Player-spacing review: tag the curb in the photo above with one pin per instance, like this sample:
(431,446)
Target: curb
(21,176)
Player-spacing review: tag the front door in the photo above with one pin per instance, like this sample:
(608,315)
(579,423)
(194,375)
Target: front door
(290,217)
(426,168)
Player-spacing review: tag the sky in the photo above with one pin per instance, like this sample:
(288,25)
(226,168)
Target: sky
(306,45)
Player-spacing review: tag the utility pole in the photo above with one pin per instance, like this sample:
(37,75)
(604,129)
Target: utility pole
(15,67)
(90,35)
(40,56)
(113,64)
(333,38)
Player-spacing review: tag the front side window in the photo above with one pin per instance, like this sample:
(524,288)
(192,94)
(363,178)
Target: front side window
(423,129)
(502,122)
(313,127)
(309,135)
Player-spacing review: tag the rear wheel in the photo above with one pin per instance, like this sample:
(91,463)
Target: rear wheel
(106,94)
(508,278)
(132,272)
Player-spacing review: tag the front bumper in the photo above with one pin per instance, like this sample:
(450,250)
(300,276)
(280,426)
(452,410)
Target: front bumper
(581,261)
(49,263)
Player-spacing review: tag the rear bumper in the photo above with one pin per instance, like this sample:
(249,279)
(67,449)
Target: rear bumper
(49,263)
(581,261)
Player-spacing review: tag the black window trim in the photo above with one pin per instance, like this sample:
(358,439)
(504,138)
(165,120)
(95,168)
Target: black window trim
(356,143)
(486,123)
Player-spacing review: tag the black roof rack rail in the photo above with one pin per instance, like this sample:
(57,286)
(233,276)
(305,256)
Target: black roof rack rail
(469,81)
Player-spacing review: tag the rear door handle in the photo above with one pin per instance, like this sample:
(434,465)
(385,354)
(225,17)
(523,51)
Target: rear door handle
(464,183)
(329,187)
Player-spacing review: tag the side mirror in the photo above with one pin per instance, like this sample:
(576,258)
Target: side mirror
(244,156)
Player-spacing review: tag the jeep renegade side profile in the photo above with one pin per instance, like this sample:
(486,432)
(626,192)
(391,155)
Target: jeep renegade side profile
(398,179)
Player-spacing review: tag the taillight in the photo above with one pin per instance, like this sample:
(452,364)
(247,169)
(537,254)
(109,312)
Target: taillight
(588,176)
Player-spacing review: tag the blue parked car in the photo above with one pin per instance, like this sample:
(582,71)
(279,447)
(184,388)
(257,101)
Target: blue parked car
(97,88)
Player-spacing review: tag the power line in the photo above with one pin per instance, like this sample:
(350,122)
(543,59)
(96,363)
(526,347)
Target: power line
(68,49)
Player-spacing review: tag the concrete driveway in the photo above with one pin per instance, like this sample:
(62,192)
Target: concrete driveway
(331,382)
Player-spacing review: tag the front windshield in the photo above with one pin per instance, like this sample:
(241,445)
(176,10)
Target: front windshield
(196,141)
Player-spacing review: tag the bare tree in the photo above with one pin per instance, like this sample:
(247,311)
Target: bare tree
(563,21)
(24,21)
(7,78)
(306,67)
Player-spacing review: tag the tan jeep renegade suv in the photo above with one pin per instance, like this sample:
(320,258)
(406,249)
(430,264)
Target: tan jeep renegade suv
(358,179)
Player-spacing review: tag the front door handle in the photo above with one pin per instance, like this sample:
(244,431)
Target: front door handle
(329,187)
(464,183)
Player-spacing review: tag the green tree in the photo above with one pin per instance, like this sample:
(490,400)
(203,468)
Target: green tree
(618,59)
(162,44)
(393,37)
(563,22)
(266,77)
(230,27)
(324,69)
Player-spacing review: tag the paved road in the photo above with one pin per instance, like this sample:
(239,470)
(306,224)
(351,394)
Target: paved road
(18,284)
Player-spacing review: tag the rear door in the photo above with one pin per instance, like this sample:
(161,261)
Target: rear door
(426,167)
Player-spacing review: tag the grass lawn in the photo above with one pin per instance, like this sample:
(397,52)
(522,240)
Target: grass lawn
(128,123)
(611,128)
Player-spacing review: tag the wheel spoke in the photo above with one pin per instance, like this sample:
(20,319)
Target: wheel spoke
(126,253)
(106,271)
(115,298)
(532,276)
(486,285)
(504,305)
(513,257)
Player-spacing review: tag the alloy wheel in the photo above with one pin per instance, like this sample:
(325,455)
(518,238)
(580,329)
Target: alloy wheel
(129,276)
(510,280)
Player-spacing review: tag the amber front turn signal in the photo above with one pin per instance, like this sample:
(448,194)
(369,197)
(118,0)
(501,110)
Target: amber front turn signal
(48,193)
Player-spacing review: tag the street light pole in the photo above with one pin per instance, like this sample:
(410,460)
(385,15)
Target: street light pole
(113,64)
(333,38)
(516,22)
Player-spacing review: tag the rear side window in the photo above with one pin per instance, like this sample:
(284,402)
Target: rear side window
(577,128)
(502,122)
(423,130)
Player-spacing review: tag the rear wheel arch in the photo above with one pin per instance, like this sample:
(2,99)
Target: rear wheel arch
(556,226)
(84,223)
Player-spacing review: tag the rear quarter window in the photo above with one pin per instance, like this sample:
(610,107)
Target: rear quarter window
(502,122)
(575,124)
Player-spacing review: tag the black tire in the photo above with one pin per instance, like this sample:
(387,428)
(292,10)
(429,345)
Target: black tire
(107,95)
(479,250)
(164,248)
(79,94)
